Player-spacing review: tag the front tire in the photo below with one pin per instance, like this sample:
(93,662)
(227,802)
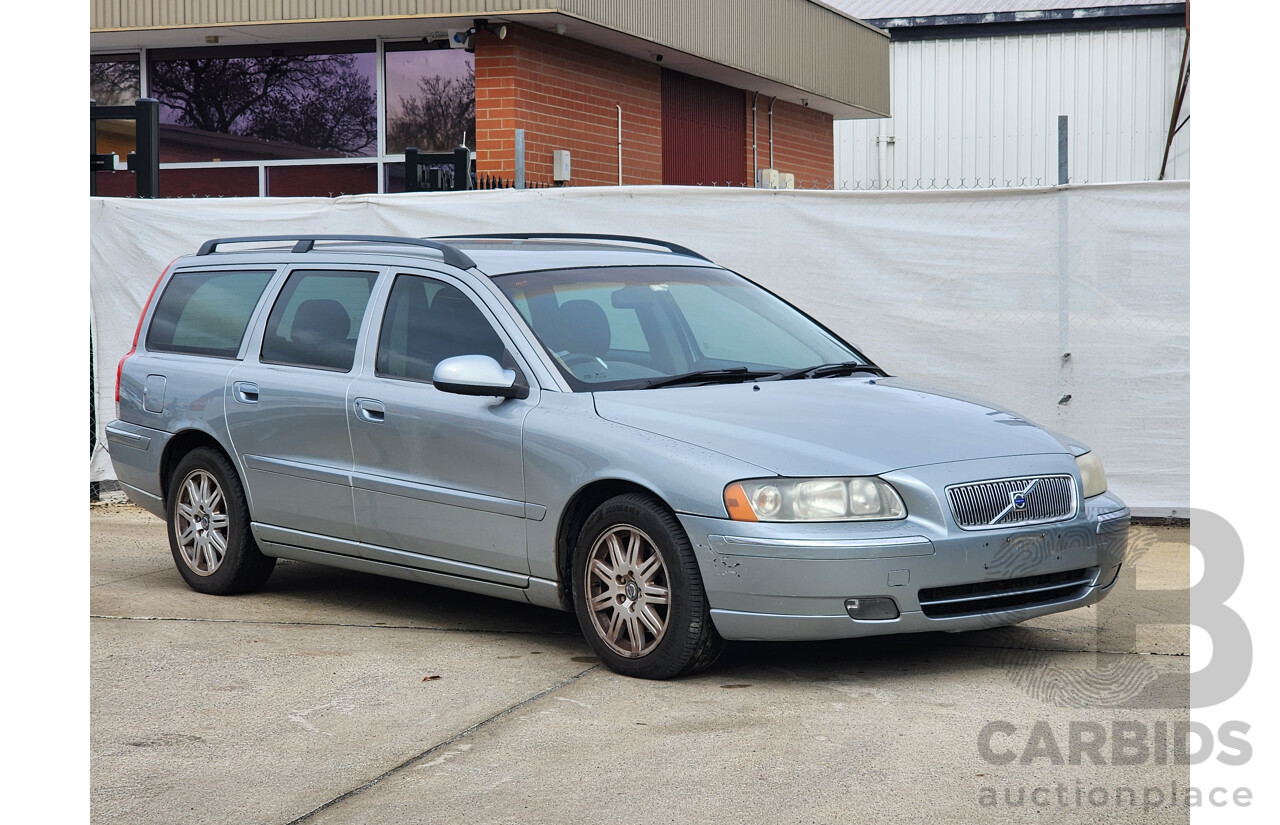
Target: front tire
(209,527)
(638,593)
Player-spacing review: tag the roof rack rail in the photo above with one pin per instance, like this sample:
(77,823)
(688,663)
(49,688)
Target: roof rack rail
(304,243)
(582,236)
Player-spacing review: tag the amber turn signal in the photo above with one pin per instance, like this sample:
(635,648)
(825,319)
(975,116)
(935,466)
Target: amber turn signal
(735,501)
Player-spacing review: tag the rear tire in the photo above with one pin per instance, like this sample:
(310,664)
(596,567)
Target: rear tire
(208,521)
(638,593)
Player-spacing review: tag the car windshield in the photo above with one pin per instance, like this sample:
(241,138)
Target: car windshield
(642,327)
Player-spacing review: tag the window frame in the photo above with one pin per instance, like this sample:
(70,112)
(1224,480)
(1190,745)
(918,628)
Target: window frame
(509,341)
(251,326)
(268,307)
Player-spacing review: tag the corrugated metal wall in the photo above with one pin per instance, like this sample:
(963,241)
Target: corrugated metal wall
(703,131)
(984,112)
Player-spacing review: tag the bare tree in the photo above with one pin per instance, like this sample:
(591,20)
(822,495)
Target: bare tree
(437,119)
(114,83)
(319,101)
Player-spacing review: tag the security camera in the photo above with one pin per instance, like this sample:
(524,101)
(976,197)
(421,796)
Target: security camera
(658,57)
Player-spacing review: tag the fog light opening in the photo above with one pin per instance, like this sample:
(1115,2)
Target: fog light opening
(873,609)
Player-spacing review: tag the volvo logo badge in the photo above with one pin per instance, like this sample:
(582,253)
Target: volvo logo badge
(1018,500)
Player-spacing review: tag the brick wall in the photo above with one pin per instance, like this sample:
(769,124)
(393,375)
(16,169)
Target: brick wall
(564,93)
(803,143)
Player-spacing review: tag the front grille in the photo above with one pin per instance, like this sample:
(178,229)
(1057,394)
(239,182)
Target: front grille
(1004,594)
(988,504)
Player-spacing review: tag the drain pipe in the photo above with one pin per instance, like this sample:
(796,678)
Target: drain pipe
(619,105)
(755,155)
(882,154)
(775,100)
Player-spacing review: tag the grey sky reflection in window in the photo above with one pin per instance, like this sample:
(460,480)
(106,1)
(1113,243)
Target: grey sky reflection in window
(310,101)
(114,80)
(431,98)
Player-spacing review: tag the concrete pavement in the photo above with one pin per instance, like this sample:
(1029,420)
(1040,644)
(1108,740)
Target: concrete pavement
(312,701)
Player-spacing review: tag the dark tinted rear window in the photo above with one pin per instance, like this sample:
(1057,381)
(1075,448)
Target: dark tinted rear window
(206,313)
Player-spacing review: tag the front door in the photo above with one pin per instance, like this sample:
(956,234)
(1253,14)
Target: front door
(438,478)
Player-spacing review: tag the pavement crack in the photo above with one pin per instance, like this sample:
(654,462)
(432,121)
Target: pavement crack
(131,578)
(498,631)
(414,760)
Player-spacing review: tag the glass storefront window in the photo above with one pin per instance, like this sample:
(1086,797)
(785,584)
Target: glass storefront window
(229,115)
(114,79)
(431,98)
(249,103)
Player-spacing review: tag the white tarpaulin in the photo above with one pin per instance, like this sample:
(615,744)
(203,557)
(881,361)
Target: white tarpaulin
(1070,306)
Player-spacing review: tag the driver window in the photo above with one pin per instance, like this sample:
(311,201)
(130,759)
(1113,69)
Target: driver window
(426,322)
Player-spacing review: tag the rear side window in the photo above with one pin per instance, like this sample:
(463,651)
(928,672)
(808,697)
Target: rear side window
(316,320)
(206,313)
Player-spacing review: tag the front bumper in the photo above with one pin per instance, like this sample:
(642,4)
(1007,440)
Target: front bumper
(790,582)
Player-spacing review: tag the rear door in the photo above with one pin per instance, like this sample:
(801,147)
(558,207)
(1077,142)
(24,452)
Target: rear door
(438,477)
(286,407)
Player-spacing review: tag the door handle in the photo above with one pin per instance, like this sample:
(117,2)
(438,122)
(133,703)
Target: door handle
(375,412)
(245,392)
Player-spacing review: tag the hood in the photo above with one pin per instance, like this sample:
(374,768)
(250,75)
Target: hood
(829,426)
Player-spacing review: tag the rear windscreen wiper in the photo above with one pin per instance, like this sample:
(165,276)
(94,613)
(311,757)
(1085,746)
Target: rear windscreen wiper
(719,376)
(827,370)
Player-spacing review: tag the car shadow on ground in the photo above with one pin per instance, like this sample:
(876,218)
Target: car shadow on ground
(382,601)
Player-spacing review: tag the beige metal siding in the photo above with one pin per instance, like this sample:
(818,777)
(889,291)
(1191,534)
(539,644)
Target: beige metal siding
(795,42)
(141,14)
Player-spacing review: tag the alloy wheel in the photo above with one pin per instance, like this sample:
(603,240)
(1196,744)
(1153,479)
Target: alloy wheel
(628,595)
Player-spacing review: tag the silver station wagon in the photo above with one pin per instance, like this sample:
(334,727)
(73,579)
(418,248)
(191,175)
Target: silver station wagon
(608,425)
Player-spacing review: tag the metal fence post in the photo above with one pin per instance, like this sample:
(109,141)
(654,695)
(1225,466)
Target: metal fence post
(412,171)
(1062,150)
(519,184)
(147,125)
(93,150)
(461,168)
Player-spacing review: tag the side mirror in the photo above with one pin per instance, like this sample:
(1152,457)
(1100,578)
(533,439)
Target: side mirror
(478,375)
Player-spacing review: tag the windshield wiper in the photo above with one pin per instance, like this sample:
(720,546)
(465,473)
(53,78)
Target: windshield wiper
(719,376)
(828,370)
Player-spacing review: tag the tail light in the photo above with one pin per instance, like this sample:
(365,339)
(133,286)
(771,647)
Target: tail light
(138,331)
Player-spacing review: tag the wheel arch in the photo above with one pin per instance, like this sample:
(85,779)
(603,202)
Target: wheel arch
(177,448)
(575,514)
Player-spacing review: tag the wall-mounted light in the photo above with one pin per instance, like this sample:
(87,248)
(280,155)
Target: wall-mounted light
(561,28)
(468,38)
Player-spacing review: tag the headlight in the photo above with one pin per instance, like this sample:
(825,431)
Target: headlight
(1092,478)
(813,499)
